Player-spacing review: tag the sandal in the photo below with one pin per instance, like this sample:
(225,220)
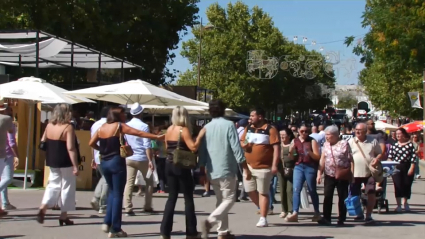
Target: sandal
(40,216)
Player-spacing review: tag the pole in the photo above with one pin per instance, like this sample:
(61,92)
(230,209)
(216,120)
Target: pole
(28,144)
(199,60)
(37,49)
(423,110)
(72,66)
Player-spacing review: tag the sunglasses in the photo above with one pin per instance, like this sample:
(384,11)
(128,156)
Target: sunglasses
(303,131)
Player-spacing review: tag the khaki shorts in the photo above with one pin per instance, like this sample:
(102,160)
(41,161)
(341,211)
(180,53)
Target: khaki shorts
(260,181)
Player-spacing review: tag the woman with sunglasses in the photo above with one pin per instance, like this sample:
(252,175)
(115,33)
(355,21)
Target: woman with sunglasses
(305,152)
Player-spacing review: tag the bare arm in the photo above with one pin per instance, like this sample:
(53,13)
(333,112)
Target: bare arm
(321,164)
(193,146)
(93,141)
(276,154)
(315,153)
(70,145)
(125,129)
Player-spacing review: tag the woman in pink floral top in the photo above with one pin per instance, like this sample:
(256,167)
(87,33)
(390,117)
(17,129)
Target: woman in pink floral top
(335,151)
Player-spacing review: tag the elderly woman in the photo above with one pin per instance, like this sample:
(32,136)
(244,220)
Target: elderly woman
(337,165)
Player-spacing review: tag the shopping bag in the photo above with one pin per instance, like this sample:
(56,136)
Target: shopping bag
(353,205)
(304,198)
(154,174)
(139,179)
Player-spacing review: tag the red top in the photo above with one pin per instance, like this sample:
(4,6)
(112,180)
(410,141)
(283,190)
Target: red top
(302,149)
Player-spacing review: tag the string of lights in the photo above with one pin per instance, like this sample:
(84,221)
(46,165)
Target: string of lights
(314,43)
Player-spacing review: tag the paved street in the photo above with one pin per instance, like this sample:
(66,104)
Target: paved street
(22,224)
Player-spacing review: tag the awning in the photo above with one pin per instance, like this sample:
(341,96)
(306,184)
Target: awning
(54,52)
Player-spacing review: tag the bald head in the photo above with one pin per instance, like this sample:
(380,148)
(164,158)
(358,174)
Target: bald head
(314,130)
(321,128)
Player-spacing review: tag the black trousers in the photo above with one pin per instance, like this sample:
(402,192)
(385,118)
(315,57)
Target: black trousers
(342,189)
(179,180)
(403,182)
(160,168)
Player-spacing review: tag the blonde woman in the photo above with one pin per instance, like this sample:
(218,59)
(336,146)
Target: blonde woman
(180,179)
(61,157)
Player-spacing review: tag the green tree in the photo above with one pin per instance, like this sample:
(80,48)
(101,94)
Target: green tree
(391,51)
(346,101)
(231,35)
(142,32)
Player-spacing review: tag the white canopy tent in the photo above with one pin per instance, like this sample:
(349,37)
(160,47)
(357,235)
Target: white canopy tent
(379,125)
(135,91)
(35,90)
(53,52)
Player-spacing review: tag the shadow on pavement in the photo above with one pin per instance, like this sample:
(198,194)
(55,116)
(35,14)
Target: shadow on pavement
(281,236)
(11,236)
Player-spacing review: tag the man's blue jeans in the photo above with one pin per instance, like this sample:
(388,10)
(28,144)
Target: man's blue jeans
(115,172)
(305,173)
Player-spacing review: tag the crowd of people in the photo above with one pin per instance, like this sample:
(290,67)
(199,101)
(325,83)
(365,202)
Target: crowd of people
(253,153)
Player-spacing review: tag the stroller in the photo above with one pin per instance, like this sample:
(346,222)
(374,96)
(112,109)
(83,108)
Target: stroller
(389,169)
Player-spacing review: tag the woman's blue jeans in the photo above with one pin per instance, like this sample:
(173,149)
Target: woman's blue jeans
(305,173)
(6,179)
(115,172)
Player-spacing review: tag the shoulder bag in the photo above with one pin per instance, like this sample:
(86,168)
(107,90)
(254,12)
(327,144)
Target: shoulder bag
(341,173)
(183,158)
(125,149)
(377,171)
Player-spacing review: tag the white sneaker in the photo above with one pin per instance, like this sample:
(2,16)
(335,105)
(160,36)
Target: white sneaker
(398,209)
(418,176)
(262,222)
(102,211)
(8,207)
(406,207)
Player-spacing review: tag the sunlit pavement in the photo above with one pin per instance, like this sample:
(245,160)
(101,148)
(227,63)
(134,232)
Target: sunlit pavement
(21,223)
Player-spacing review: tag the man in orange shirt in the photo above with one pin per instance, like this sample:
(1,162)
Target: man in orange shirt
(261,144)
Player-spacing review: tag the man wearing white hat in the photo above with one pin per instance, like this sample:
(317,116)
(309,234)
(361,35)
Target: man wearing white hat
(141,160)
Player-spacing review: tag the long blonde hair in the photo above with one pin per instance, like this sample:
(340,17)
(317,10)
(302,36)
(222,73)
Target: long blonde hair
(180,117)
(61,114)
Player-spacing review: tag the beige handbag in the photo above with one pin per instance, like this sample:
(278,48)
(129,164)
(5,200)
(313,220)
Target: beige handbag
(125,150)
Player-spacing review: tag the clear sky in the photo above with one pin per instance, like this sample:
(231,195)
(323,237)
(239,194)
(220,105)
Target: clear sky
(325,22)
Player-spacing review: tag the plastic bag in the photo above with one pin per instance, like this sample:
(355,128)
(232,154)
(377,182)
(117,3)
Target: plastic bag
(304,199)
(153,174)
(139,179)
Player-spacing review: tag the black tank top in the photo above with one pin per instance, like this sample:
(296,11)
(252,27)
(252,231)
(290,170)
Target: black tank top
(57,155)
(109,146)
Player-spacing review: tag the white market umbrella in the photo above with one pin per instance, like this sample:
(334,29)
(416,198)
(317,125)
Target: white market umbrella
(135,91)
(35,90)
(379,125)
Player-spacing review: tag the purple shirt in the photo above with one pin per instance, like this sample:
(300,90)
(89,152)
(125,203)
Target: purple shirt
(11,142)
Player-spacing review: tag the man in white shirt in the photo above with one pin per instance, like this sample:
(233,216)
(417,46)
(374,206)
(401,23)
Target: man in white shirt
(141,160)
(98,201)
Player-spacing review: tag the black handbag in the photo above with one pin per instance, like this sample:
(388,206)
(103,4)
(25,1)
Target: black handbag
(42,146)
(288,173)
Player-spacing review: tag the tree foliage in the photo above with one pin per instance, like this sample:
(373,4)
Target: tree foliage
(346,101)
(142,32)
(232,32)
(392,53)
